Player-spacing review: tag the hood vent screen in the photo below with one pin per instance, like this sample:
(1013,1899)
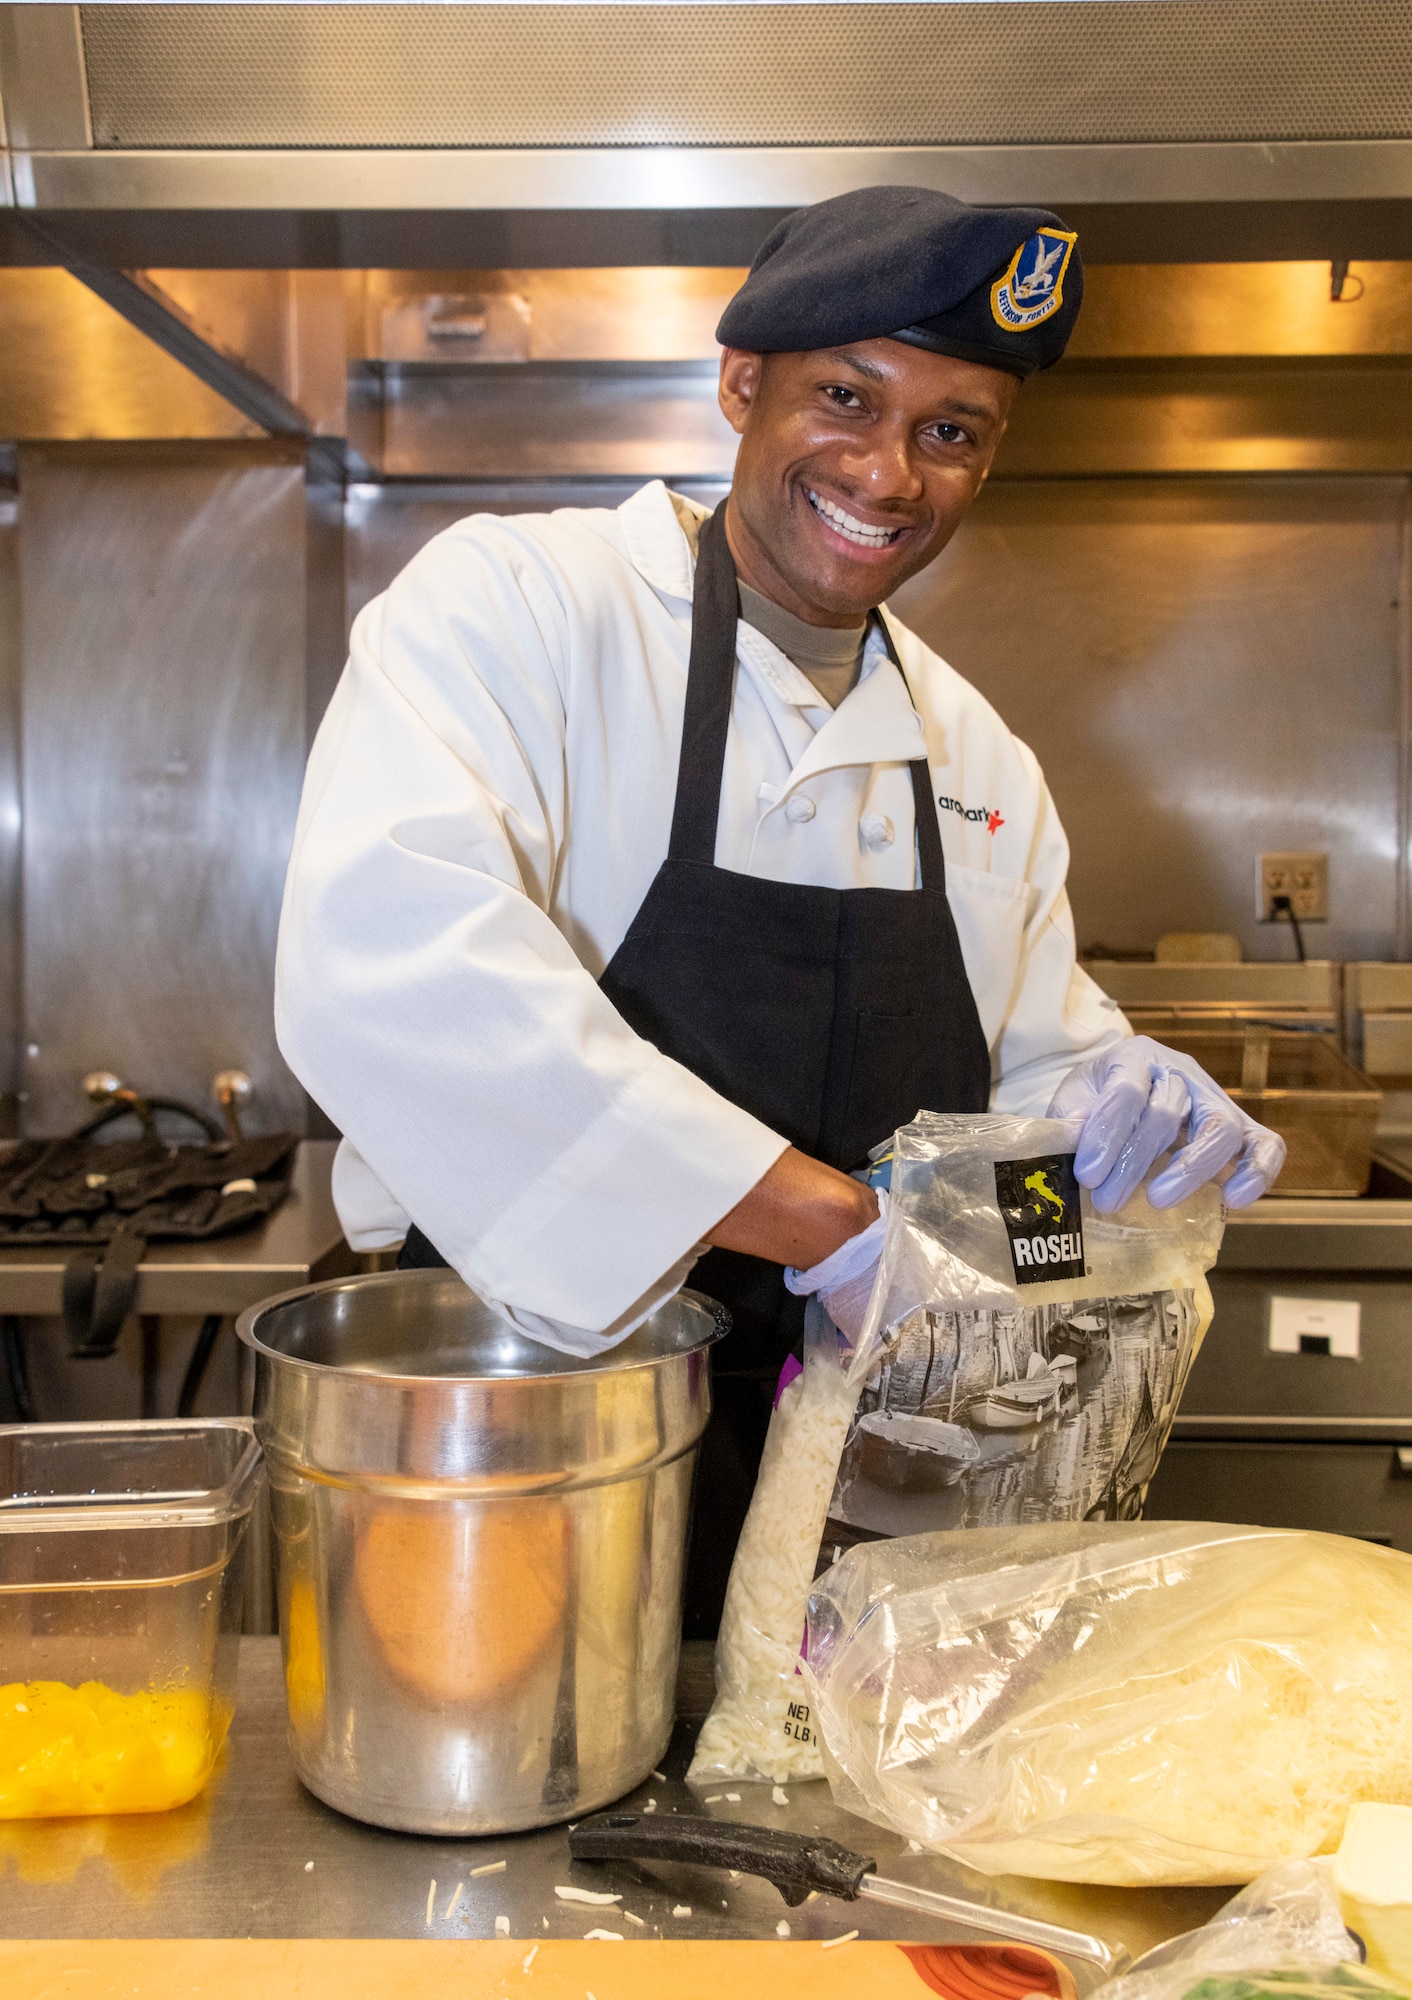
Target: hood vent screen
(1028,72)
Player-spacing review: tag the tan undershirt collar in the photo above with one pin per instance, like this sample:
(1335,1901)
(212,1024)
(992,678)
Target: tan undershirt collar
(829,657)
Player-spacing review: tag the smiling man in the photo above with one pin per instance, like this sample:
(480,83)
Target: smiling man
(647,874)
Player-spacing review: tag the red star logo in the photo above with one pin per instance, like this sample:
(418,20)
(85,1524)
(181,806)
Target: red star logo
(993,823)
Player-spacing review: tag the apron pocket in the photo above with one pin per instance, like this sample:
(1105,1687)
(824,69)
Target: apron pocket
(887,1081)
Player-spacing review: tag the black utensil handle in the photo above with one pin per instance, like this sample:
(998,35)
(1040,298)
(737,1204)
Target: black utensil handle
(794,1862)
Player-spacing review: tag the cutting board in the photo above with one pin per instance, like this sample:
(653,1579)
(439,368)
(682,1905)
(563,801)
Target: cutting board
(400,1969)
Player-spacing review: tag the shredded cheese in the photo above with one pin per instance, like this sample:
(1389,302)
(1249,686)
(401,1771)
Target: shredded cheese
(1248,1750)
(1201,1717)
(760,1725)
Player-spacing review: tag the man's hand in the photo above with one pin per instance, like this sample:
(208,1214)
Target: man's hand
(1134,1100)
(800,1213)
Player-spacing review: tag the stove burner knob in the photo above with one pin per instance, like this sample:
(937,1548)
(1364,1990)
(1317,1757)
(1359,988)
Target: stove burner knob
(231,1089)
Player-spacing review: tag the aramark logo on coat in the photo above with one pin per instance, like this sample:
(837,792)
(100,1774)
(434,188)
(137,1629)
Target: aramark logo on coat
(1040,1207)
(978,815)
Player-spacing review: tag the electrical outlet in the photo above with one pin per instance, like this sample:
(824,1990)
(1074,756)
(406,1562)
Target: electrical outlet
(1304,878)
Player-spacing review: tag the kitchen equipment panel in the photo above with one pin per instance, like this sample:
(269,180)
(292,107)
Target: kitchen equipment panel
(1237,1375)
(1341,1489)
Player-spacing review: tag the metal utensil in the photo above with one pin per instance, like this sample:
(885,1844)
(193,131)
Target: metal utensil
(233,1091)
(479,1548)
(799,1864)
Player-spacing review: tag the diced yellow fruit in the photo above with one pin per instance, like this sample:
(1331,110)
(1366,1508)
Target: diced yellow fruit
(67,1751)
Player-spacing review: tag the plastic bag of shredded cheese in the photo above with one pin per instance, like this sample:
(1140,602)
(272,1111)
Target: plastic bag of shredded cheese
(1021,1360)
(760,1725)
(1121,1702)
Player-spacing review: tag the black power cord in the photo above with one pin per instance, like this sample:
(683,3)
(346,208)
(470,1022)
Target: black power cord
(17,1369)
(200,1361)
(1283,906)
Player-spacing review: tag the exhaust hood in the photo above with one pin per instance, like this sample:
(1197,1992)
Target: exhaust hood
(498,135)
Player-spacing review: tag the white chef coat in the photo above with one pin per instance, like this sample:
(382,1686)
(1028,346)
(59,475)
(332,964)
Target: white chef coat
(487,802)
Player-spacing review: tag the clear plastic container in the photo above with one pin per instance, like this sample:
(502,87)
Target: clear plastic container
(122,1560)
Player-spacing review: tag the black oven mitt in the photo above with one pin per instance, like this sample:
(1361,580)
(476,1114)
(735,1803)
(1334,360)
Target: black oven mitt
(117,1196)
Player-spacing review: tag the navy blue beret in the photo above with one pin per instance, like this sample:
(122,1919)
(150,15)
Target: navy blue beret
(1000,286)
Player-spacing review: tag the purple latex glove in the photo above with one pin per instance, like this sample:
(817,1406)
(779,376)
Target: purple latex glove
(1134,1100)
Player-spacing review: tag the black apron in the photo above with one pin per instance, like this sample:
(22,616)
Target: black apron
(832,1015)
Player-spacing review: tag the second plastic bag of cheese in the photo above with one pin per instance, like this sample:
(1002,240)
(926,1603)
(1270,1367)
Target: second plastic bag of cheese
(1123,1702)
(1021,1360)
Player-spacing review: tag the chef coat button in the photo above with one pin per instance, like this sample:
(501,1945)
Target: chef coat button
(800,809)
(874,830)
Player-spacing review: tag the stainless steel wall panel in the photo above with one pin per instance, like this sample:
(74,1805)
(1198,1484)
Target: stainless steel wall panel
(1109,417)
(1309,413)
(387,524)
(325,604)
(9,808)
(163,745)
(543,421)
(71,367)
(1207,670)
(495,75)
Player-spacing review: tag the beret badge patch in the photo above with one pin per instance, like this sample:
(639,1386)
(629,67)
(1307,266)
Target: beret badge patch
(1033,286)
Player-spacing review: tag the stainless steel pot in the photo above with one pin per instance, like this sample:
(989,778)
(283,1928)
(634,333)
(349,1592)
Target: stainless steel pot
(479,1548)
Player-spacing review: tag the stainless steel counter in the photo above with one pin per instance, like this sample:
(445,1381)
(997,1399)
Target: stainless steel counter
(301,1241)
(257,1856)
